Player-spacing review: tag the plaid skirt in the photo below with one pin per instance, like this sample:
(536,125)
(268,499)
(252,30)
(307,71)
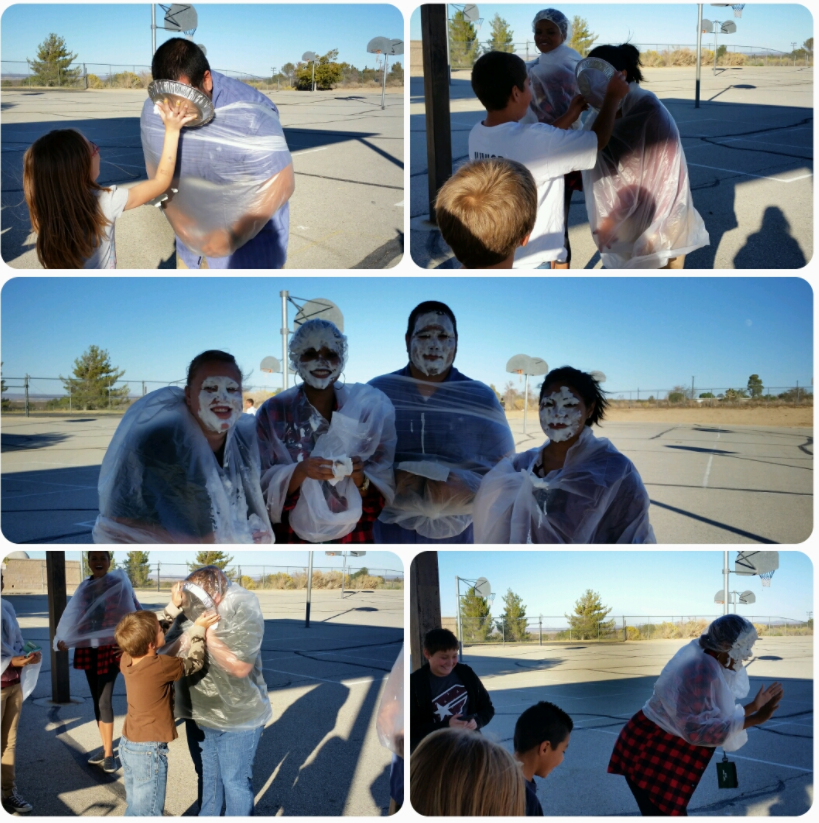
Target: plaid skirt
(102,659)
(660,763)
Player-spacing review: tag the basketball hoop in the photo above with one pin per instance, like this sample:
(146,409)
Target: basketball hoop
(766,578)
(738,9)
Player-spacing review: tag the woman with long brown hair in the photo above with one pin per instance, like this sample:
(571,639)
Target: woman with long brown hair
(72,214)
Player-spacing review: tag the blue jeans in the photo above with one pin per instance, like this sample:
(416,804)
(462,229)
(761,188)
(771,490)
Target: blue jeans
(227,772)
(145,767)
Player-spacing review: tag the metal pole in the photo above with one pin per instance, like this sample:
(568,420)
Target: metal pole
(314,75)
(540,629)
(692,386)
(310,591)
(25,384)
(153,29)
(725,573)
(448,58)
(699,56)
(157,575)
(55,571)
(458,614)
(384,84)
(285,331)
(525,401)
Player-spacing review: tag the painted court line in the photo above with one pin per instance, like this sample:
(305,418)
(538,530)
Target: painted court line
(708,468)
(307,151)
(324,680)
(758,176)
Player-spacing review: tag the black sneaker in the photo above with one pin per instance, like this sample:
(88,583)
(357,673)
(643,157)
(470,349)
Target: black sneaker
(97,758)
(14,804)
(109,765)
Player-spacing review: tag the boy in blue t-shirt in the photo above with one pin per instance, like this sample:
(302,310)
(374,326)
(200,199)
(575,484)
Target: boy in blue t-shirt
(542,735)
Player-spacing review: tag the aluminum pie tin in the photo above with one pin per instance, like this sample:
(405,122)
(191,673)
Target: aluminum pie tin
(179,94)
(589,81)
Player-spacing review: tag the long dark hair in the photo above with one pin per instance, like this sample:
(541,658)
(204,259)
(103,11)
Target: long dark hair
(62,204)
(584,384)
(624,57)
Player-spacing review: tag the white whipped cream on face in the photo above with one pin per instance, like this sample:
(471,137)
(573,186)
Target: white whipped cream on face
(223,394)
(314,336)
(433,343)
(561,408)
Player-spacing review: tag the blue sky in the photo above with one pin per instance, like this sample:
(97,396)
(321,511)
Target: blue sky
(648,333)
(260,557)
(766,25)
(643,584)
(241,37)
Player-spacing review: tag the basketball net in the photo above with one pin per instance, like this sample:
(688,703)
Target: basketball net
(738,10)
(766,579)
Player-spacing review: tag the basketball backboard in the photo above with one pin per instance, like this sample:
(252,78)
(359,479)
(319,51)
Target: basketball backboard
(482,587)
(747,597)
(179,17)
(524,364)
(396,48)
(378,45)
(471,13)
(748,563)
(309,57)
(728,27)
(322,308)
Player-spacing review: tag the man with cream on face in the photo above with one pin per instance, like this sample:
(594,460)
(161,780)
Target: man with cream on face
(327,448)
(183,467)
(576,488)
(451,431)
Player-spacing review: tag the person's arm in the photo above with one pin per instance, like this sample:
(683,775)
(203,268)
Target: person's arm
(616,90)
(576,108)
(174,119)
(484,710)
(316,468)
(760,709)
(225,658)
(196,656)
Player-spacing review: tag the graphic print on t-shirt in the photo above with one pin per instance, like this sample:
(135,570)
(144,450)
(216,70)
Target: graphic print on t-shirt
(450,702)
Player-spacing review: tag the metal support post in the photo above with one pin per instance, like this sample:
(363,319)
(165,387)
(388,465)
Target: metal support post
(25,385)
(725,573)
(55,572)
(285,331)
(309,591)
(458,614)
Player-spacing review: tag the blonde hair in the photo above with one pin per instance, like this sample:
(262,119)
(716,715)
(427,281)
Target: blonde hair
(136,631)
(457,772)
(486,209)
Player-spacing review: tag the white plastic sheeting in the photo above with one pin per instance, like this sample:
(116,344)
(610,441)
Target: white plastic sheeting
(695,699)
(218,697)
(160,481)
(235,148)
(12,646)
(92,614)
(554,84)
(450,435)
(597,497)
(290,430)
(390,719)
(638,196)
(733,635)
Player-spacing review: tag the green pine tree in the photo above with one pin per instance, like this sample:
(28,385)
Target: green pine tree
(755,387)
(589,619)
(92,386)
(463,42)
(218,559)
(52,66)
(328,72)
(501,36)
(138,569)
(476,624)
(513,620)
(582,38)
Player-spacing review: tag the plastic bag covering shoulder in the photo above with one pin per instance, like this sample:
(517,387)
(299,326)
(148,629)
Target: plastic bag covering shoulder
(160,481)
(450,435)
(638,195)
(290,430)
(95,609)
(597,497)
(390,719)
(693,699)
(12,646)
(218,696)
(234,151)
(554,84)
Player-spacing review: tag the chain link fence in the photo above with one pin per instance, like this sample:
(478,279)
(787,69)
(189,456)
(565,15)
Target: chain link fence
(551,629)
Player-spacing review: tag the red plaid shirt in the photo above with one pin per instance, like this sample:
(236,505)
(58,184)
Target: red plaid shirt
(103,658)
(660,763)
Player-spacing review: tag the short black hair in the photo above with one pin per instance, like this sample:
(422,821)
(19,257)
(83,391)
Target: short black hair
(440,640)
(430,306)
(584,384)
(494,75)
(210,356)
(624,57)
(177,58)
(539,723)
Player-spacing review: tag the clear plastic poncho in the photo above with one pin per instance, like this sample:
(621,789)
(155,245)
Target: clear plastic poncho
(597,497)
(638,196)
(554,84)
(12,646)
(217,697)
(160,481)
(92,614)
(239,155)
(450,435)
(695,698)
(390,719)
(290,430)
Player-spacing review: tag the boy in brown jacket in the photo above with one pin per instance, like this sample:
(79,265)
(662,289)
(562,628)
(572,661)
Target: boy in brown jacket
(149,725)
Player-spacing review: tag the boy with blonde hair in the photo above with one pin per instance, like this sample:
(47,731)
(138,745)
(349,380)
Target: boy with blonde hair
(486,211)
(149,725)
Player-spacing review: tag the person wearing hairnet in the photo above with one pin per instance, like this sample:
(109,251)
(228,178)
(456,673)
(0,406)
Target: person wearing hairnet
(665,748)
(226,705)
